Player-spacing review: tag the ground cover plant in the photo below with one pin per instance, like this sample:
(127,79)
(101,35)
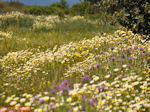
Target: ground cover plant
(68,63)
(104,73)
(30,31)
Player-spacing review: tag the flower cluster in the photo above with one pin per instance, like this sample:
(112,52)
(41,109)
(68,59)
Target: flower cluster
(4,35)
(109,73)
(42,21)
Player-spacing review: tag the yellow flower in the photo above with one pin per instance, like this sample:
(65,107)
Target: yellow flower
(99,106)
(28,104)
(101,102)
(53,98)
(28,96)
(96,91)
(6,84)
(8,99)
(114,100)
(16,99)
(13,103)
(22,100)
(39,110)
(139,79)
(80,48)
(69,100)
(93,86)
(75,109)
(124,66)
(46,98)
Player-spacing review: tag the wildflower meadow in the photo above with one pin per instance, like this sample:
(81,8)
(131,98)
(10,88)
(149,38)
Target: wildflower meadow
(72,64)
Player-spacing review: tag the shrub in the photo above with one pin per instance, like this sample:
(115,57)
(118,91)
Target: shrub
(78,9)
(136,14)
(55,8)
(17,22)
(37,10)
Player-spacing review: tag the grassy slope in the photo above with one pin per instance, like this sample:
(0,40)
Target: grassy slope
(25,38)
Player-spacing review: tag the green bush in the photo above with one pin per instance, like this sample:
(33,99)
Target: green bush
(59,8)
(17,22)
(78,9)
(38,10)
(135,14)
(55,8)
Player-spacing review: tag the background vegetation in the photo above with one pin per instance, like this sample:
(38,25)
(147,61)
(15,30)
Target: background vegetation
(134,15)
(45,46)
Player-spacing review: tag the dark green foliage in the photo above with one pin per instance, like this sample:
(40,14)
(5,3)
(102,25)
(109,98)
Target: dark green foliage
(133,14)
(78,9)
(83,8)
(17,22)
(64,3)
(59,8)
(136,14)
(93,1)
(38,10)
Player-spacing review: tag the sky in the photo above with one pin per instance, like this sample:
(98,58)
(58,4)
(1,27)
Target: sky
(44,2)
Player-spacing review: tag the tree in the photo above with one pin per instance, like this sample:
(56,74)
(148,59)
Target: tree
(64,3)
(133,14)
(136,14)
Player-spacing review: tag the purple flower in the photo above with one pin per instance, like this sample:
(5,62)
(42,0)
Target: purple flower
(131,58)
(93,101)
(112,58)
(64,82)
(112,47)
(85,77)
(122,76)
(35,98)
(83,108)
(125,38)
(120,59)
(112,55)
(51,106)
(66,88)
(97,65)
(57,88)
(148,59)
(97,57)
(84,98)
(102,52)
(140,55)
(135,47)
(129,50)
(42,101)
(101,88)
(141,48)
(120,42)
(53,91)
(70,84)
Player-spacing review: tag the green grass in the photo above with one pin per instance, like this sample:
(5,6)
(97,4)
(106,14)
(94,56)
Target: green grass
(24,37)
(61,33)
